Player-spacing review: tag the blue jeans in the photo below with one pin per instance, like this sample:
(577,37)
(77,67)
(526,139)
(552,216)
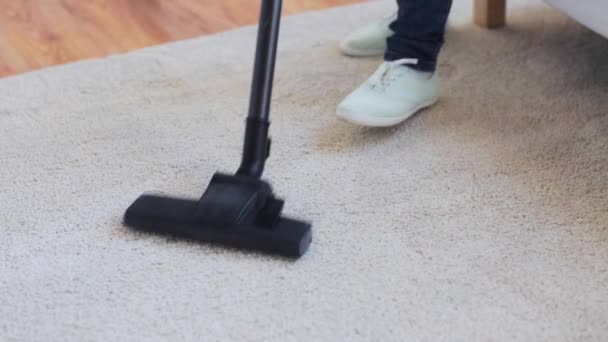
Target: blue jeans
(418,32)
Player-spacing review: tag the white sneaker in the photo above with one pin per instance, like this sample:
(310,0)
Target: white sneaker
(390,96)
(369,40)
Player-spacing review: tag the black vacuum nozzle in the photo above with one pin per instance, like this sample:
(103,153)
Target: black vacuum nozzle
(235,211)
(241,210)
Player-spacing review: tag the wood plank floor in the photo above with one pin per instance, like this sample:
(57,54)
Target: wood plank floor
(39,33)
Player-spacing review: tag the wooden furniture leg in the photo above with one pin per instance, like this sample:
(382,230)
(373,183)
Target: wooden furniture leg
(490,13)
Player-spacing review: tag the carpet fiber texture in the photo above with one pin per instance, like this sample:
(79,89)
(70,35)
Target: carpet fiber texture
(483,218)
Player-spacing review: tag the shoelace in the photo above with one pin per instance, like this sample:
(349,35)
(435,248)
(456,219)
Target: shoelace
(380,78)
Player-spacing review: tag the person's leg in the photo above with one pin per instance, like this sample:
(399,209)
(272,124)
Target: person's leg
(418,32)
(406,82)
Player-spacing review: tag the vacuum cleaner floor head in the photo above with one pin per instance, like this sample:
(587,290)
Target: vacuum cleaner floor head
(241,210)
(236,211)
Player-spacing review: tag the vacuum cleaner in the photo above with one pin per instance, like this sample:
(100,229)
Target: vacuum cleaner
(237,210)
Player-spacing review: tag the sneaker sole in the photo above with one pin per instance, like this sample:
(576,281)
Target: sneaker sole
(370,121)
(350,52)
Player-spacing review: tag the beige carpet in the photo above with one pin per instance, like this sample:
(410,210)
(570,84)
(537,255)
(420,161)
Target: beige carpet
(484,218)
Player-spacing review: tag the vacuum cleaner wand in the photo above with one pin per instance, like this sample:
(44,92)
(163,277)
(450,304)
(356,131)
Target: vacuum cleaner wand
(256,147)
(236,210)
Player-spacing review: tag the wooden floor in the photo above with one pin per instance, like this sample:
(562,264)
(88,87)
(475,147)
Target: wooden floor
(39,33)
